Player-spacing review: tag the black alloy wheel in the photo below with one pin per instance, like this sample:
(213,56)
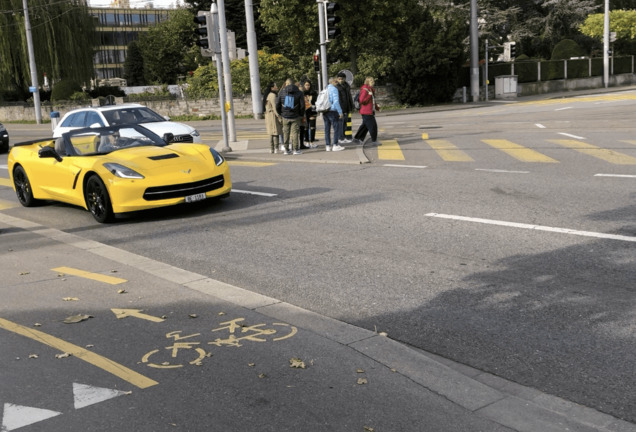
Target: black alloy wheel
(23,187)
(97,200)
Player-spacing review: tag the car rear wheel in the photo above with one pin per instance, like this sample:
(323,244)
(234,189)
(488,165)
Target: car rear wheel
(97,200)
(23,187)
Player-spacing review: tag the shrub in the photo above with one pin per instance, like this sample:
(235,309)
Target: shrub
(566,49)
(64,89)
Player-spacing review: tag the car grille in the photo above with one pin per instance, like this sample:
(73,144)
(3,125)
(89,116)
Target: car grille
(182,139)
(184,189)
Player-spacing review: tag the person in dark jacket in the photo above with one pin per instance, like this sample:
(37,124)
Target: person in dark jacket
(310,114)
(346,103)
(290,105)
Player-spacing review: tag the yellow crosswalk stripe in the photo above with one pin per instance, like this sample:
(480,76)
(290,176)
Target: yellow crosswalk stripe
(629,141)
(5,182)
(4,204)
(607,155)
(519,152)
(390,150)
(252,164)
(448,151)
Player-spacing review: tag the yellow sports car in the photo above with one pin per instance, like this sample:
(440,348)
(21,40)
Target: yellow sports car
(116,169)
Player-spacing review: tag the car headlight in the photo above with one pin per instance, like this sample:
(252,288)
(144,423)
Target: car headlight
(218,159)
(122,171)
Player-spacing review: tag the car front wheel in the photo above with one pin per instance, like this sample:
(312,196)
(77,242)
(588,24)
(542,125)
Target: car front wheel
(97,200)
(23,187)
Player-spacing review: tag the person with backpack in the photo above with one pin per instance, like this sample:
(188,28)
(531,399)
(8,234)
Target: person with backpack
(290,105)
(332,117)
(346,103)
(368,108)
(272,118)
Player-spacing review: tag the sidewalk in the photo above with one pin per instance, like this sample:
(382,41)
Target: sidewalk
(404,385)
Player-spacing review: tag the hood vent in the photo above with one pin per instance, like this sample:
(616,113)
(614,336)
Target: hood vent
(166,156)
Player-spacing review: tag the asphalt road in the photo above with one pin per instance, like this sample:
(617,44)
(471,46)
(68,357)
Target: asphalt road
(522,268)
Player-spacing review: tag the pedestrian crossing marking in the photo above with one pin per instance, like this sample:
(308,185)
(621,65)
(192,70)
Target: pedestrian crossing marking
(5,182)
(4,204)
(519,152)
(448,151)
(252,164)
(390,150)
(607,155)
(629,141)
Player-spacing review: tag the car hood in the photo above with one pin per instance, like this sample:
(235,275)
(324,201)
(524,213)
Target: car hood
(171,158)
(161,128)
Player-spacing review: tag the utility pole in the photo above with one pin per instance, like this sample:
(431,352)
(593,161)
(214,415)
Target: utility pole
(474,52)
(252,50)
(606,44)
(227,74)
(216,48)
(323,41)
(34,72)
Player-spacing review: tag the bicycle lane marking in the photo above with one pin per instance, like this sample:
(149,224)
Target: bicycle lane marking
(97,360)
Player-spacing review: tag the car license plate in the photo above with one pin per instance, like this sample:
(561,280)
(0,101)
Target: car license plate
(195,197)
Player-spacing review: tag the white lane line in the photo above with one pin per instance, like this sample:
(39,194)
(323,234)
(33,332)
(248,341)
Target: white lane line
(265,194)
(4,167)
(404,166)
(615,175)
(539,125)
(535,227)
(570,135)
(563,109)
(502,171)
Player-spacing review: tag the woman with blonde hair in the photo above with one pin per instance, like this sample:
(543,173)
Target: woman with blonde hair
(368,108)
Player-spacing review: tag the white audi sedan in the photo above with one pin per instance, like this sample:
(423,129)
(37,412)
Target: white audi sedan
(135,114)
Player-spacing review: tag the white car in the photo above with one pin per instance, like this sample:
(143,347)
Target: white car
(112,115)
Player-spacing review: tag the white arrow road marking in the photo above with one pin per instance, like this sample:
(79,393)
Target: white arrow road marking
(16,416)
(86,395)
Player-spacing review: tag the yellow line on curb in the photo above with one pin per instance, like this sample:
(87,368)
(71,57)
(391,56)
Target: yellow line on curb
(519,152)
(390,150)
(101,362)
(88,275)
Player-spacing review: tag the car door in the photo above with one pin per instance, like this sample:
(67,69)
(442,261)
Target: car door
(59,179)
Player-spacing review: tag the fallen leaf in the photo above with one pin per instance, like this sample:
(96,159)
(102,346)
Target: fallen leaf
(90,346)
(70,299)
(262,375)
(362,381)
(393,370)
(33,356)
(121,291)
(369,429)
(383,334)
(59,356)
(24,273)
(164,316)
(221,313)
(37,325)
(61,275)
(113,271)
(193,316)
(296,363)
(251,364)
(360,370)
(76,318)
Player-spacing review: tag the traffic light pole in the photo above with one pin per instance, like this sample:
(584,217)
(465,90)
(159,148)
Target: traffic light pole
(252,51)
(219,71)
(227,74)
(322,12)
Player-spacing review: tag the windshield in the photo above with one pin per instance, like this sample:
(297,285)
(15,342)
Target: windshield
(132,115)
(92,141)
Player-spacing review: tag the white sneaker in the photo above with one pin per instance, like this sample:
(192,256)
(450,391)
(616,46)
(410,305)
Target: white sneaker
(282,148)
(328,148)
(338,148)
(298,152)
(346,141)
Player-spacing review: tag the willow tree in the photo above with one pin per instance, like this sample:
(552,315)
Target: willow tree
(64,40)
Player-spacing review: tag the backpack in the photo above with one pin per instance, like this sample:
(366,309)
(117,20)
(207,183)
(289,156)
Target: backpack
(322,103)
(356,100)
(289,102)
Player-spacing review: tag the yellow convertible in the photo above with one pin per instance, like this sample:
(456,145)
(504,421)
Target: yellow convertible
(115,170)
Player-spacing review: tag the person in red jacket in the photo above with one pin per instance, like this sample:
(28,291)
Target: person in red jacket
(368,108)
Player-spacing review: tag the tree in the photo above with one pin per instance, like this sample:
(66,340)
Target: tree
(134,65)
(167,48)
(622,22)
(64,38)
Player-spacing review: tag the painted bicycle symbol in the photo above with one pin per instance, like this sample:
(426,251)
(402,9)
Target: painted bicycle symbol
(190,352)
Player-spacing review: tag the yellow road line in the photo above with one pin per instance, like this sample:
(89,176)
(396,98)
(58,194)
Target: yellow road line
(88,275)
(607,155)
(390,150)
(521,153)
(448,151)
(252,164)
(5,182)
(101,362)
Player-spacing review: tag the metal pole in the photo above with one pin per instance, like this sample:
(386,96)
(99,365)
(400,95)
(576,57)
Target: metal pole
(227,74)
(322,12)
(252,49)
(486,73)
(606,42)
(474,52)
(34,71)
(219,72)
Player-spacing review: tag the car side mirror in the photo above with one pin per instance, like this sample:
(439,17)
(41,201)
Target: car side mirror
(167,118)
(49,152)
(168,137)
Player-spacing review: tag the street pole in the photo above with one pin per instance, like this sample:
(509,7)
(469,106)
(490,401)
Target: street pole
(606,46)
(486,72)
(252,50)
(219,71)
(227,74)
(474,52)
(323,41)
(34,72)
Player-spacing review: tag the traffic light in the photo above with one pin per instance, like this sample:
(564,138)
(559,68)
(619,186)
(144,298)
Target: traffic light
(316,62)
(513,50)
(332,20)
(204,32)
